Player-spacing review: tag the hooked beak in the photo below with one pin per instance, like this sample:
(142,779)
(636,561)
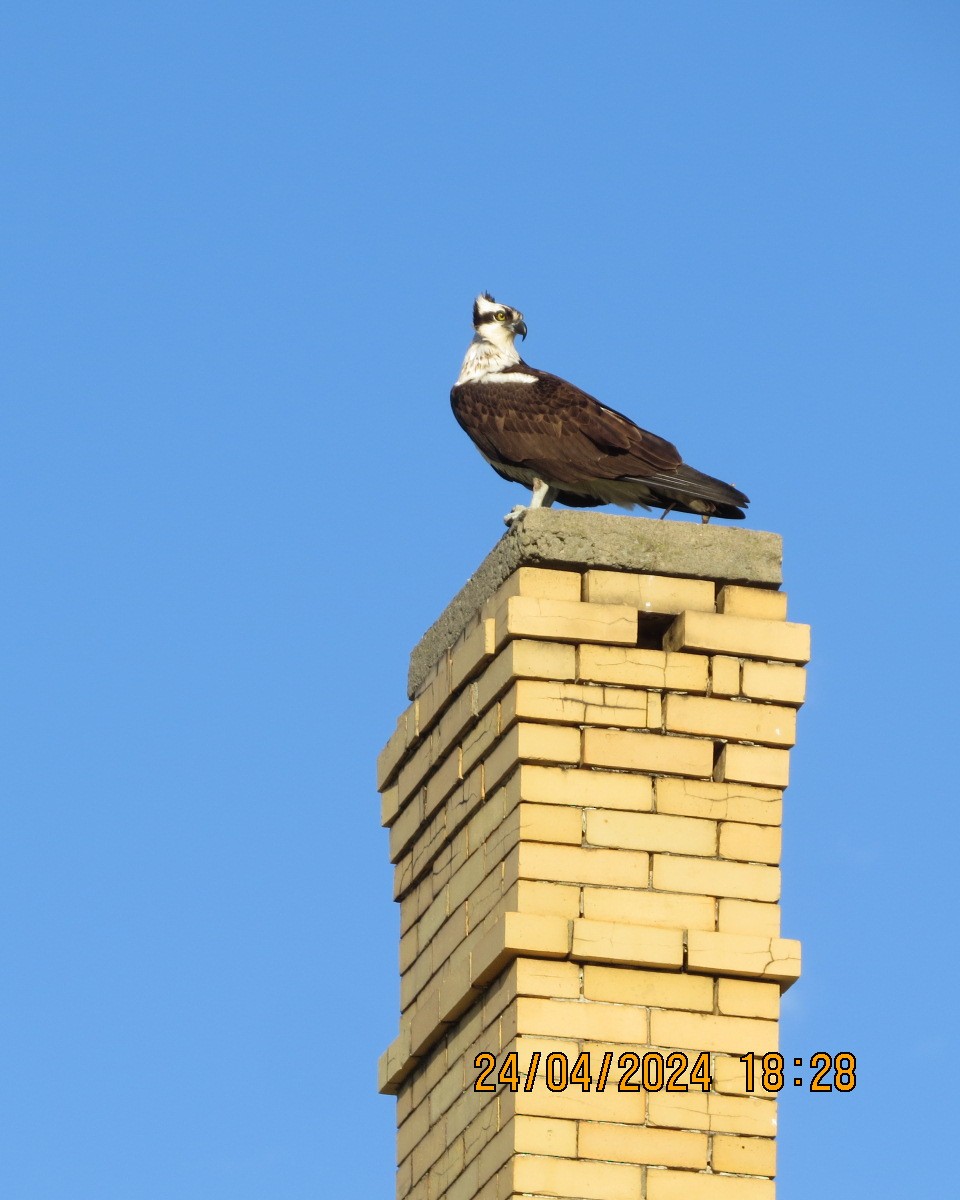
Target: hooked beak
(520,327)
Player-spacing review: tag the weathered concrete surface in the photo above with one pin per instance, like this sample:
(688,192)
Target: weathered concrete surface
(547,537)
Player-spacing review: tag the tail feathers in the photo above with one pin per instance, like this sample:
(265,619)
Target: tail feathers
(689,482)
(687,485)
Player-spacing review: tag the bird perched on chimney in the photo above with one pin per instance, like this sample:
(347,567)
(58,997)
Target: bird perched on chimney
(536,429)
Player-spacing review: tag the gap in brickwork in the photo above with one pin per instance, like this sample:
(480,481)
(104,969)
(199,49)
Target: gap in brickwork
(652,629)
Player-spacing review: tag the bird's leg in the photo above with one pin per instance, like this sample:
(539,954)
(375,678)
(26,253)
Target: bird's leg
(542,497)
(670,507)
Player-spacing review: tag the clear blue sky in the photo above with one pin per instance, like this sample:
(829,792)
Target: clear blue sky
(240,244)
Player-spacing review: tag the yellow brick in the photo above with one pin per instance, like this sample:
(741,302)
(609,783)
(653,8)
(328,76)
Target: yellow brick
(638,945)
(458,717)
(421,762)
(703,715)
(525,659)
(598,789)
(472,651)
(724,675)
(569,1177)
(774,681)
(448,1170)
(497,1002)
(572,1019)
(455,995)
(515,934)
(496,895)
(542,583)
(700,1031)
(412,1130)
(550,823)
(396,748)
(650,831)
(573,704)
(539,1135)
(550,899)
(662,1147)
(427,1151)
(444,780)
(566,621)
(529,1046)
(673,873)
(721,1114)
(743,954)
(405,1181)
(748,916)
(461,1039)
(623,707)
(745,998)
(639,907)
(633,666)
(745,1156)
(549,977)
(627,750)
(448,1089)
(489,820)
(530,743)
(433,1074)
(451,934)
(679,1110)
(722,801)
(548,700)
(753,764)
(531,934)
(628,1108)
(576,864)
(425,1024)
(478,740)
(465,1188)
(495,1149)
(406,827)
(746,637)
(489,896)
(682,1185)
(408,949)
(657,989)
(460,997)
(736,601)
(415,979)
(729,1072)
(749,843)
(414,905)
(490,1140)
(649,593)
(433,695)
(389,805)
(463,883)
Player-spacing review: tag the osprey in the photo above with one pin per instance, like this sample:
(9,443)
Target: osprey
(539,430)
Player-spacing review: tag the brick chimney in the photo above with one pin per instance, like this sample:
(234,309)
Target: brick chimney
(584,801)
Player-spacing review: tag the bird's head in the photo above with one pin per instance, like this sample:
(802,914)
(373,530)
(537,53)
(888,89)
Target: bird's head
(497,323)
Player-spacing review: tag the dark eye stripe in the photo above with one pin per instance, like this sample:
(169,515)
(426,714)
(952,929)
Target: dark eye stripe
(487,318)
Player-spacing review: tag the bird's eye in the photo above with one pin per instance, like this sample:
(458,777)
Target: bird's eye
(500,316)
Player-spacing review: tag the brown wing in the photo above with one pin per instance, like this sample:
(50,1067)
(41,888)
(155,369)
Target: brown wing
(559,431)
